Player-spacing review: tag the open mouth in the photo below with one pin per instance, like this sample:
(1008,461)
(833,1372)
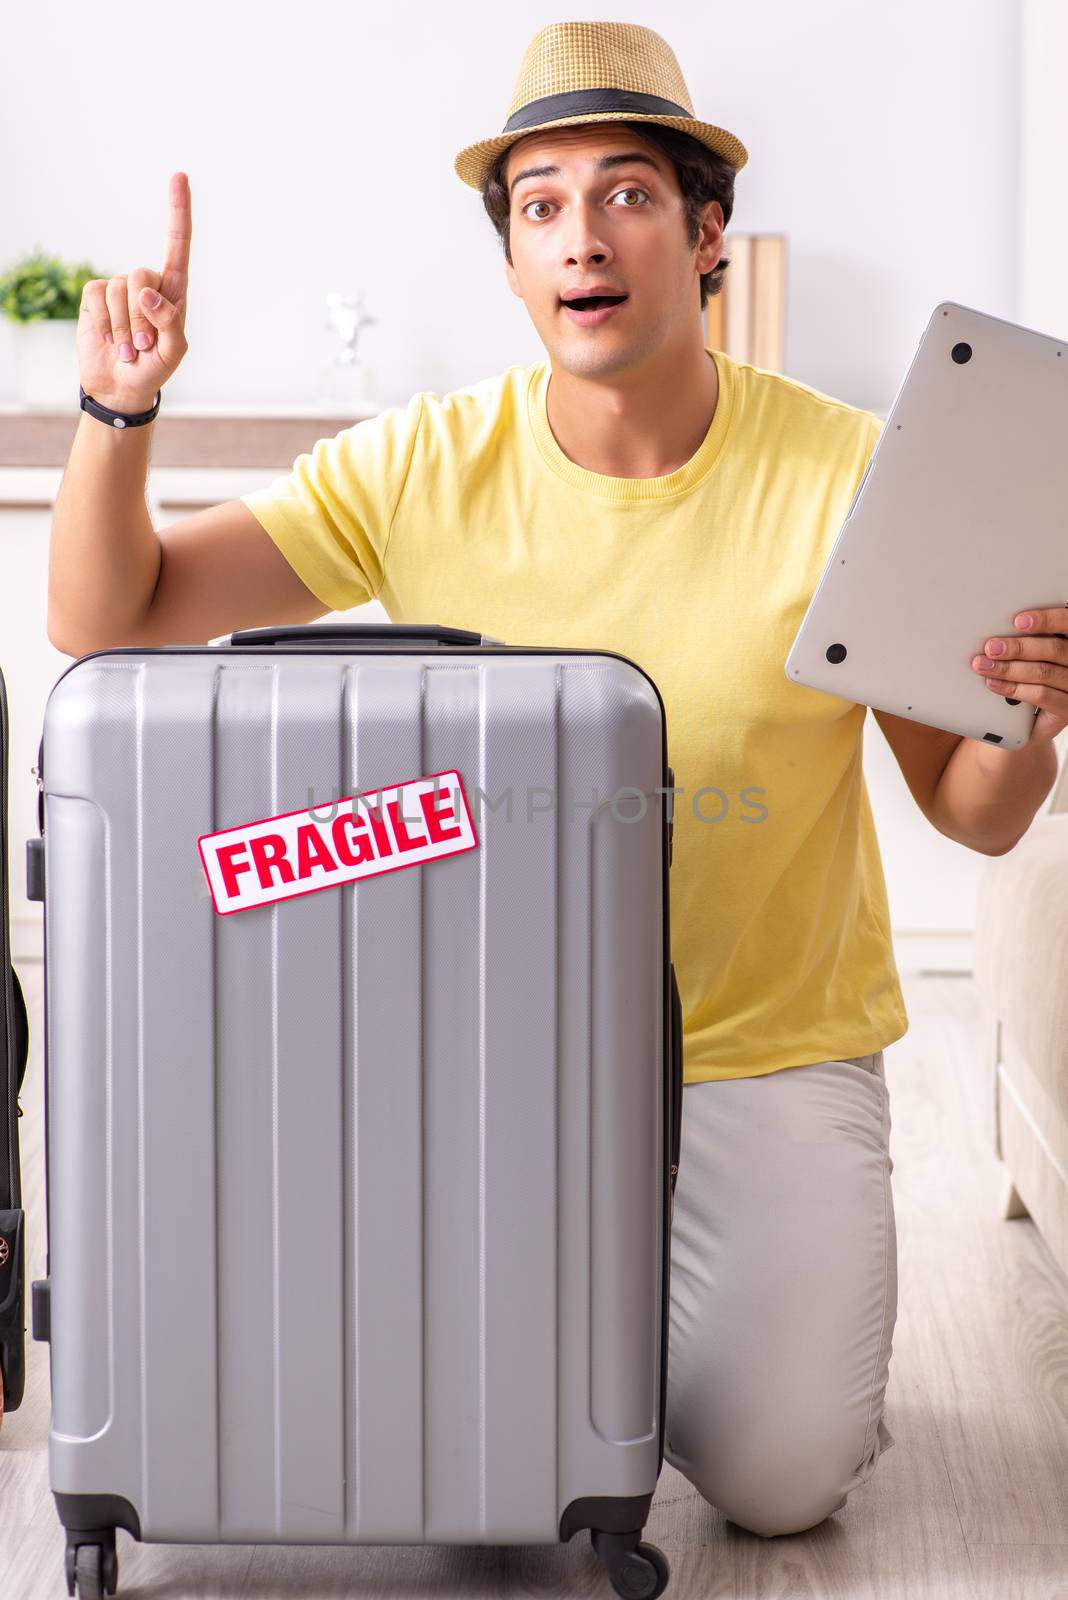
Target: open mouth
(594,302)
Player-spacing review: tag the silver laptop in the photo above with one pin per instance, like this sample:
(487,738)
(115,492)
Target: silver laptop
(959,523)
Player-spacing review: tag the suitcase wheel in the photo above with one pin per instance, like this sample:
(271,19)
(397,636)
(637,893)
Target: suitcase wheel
(637,1571)
(92,1569)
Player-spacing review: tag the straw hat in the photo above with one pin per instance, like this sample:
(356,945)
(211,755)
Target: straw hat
(575,72)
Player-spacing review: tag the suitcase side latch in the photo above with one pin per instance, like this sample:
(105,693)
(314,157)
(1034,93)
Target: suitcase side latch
(41,1309)
(35,869)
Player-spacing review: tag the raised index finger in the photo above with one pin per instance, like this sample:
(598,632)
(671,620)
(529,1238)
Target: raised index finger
(179,232)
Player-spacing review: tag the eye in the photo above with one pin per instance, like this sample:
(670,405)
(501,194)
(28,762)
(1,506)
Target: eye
(526,208)
(631,191)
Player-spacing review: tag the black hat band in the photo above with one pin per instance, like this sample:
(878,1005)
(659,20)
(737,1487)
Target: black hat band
(552,107)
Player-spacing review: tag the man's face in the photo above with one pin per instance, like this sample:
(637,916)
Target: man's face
(600,219)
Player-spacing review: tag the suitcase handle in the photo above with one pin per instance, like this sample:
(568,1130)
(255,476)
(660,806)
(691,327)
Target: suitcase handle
(22,1031)
(356,632)
(676,1077)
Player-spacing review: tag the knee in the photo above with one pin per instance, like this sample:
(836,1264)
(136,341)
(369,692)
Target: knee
(774,1492)
(770,1474)
(770,1489)
(770,1512)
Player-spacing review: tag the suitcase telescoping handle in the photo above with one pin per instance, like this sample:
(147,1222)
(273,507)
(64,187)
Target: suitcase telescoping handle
(676,1079)
(355,633)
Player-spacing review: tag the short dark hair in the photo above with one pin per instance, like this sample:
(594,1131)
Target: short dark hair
(702,176)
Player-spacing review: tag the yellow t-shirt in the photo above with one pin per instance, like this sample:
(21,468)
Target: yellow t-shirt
(465,511)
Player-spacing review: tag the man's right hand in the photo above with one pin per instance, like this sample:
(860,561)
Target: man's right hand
(114,321)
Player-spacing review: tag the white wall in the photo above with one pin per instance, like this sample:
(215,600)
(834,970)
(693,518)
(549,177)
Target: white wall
(319,141)
(1043,294)
(895,146)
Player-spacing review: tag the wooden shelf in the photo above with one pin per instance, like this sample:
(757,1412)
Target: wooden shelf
(182,436)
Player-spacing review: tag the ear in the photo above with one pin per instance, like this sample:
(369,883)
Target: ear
(513,281)
(710,243)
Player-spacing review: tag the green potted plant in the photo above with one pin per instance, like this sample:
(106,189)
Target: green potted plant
(41,297)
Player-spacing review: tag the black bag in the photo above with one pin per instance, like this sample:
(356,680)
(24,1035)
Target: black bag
(14,1048)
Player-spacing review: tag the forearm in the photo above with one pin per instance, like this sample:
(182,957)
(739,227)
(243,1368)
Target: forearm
(104,554)
(987,798)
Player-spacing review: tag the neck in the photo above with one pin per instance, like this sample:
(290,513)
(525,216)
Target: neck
(635,425)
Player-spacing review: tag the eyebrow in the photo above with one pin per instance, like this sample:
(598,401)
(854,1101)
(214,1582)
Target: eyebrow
(628,158)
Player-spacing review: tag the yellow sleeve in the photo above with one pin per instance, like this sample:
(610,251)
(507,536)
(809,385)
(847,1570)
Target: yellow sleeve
(332,513)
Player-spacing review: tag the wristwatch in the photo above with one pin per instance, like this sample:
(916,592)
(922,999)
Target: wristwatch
(117,419)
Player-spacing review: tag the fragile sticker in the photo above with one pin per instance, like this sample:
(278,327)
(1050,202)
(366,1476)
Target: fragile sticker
(378,831)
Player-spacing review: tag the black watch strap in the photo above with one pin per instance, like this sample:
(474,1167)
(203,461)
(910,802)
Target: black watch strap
(117,419)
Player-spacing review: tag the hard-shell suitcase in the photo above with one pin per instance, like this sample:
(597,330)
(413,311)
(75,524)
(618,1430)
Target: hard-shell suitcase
(14,1046)
(359,1201)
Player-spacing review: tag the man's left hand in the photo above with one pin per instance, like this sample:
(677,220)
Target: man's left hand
(1032,666)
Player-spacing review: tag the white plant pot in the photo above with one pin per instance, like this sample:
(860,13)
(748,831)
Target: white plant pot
(46,363)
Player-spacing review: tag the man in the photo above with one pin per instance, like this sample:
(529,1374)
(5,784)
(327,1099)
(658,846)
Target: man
(639,492)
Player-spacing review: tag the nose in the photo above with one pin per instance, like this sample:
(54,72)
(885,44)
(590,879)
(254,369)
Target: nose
(584,243)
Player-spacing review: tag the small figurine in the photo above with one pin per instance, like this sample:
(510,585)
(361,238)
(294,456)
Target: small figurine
(348,380)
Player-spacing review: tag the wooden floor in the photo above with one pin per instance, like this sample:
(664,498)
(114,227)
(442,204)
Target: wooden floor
(971,1501)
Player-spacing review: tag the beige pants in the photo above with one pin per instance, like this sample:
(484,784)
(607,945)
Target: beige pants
(783,1291)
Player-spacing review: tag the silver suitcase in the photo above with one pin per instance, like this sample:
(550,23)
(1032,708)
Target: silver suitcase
(359,1201)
